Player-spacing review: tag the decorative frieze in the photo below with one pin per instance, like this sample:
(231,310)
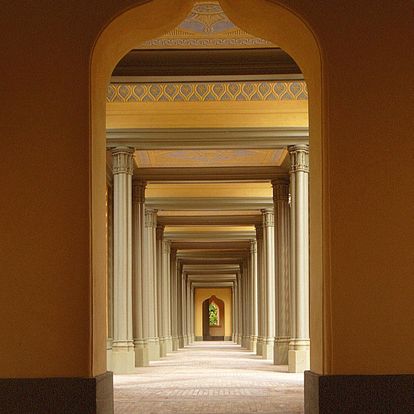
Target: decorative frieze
(122,160)
(207,91)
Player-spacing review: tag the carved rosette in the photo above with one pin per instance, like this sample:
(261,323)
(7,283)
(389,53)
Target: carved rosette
(150,217)
(299,157)
(281,189)
(138,191)
(122,160)
(268,218)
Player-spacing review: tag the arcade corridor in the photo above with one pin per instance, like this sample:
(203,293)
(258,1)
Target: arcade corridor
(209,377)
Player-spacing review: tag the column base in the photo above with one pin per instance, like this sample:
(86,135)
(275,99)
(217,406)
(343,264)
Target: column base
(259,346)
(175,344)
(281,350)
(109,359)
(253,344)
(180,342)
(163,347)
(123,360)
(141,355)
(267,348)
(153,346)
(239,340)
(358,394)
(298,360)
(57,395)
(169,344)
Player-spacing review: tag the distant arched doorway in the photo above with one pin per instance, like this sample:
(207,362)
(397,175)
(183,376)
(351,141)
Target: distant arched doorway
(213,319)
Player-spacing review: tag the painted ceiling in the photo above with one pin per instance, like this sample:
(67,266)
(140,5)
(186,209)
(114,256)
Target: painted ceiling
(209,158)
(206,27)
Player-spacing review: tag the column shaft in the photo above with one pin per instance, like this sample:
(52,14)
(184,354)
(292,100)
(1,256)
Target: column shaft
(138,233)
(269,284)
(299,346)
(123,358)
(282,270)
(261,302)
(150,285)
(253,295)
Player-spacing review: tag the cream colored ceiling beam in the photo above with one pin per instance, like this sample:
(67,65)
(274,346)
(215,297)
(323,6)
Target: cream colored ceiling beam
(210,236)
(209,220)
(207,138)
(207,245)
(224,174)
(204,203)
(212,284)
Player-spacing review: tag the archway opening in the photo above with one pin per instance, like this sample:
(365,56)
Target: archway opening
(107,52)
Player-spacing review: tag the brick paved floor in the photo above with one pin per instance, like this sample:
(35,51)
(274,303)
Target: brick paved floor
(209,377)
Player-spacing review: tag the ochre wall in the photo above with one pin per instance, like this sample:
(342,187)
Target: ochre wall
(200,295)
(52,317)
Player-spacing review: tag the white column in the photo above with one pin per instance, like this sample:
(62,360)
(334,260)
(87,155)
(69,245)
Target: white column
(150,285)
(161,305)
(253,295)
(180,321)
(184,307)
(282,270)
(174,300)
(246,305)
(240,309)
(192,314)
(166,294)
(269,284)
(138,235)
(123,357)
(261,303)
(299,346)
(235,312)
(188,294)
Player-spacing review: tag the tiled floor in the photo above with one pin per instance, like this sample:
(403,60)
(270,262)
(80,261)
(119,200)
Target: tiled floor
(209,377)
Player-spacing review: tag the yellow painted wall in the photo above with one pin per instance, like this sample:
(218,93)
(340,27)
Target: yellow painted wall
(200,295)
(52,292)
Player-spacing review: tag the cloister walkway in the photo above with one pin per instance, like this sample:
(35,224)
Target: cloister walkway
(209,377)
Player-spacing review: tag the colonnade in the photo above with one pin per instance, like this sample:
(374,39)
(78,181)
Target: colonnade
(151,295)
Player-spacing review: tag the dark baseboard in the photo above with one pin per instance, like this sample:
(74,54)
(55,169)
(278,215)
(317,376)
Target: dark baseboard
(359,394)
(213,338)
(57,395)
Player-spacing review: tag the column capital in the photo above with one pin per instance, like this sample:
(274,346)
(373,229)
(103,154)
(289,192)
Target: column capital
(160,231)
(150,217)
(166,245)
(122,160)
(281,189)
(259,231)
(138,190)
(253,246)
(299,157)
(268,218)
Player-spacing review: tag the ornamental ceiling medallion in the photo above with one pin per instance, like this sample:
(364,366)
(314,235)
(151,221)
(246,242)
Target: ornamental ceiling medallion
(206,27)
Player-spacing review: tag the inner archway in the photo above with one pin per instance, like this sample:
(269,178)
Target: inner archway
(267,13)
